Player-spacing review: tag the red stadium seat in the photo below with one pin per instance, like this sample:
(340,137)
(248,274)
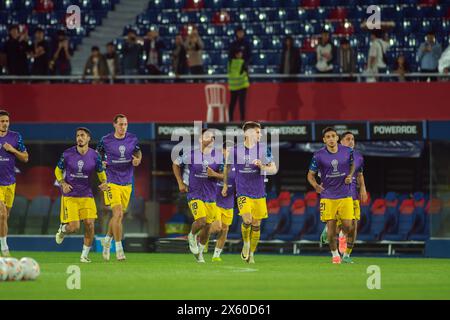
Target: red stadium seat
(284,198)
(345,29)
(194,4)
(311,199)
(429,2)
(298,207)
(407,206)
(434,206)
(338,14)
(310,3)
(379,207)
(273,206)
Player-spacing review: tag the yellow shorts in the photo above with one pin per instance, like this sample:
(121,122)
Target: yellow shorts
(7,194)
(226,215)
(77,209)
(118,195)
(202,209)
(257,207)
(336,209)
(356,210)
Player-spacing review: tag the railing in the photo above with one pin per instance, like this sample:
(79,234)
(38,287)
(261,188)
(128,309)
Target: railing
(356,77)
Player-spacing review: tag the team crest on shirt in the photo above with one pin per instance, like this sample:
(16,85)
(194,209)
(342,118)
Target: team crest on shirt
(80,166)
(205,166)
(122,150)
(334,164)
(247,160)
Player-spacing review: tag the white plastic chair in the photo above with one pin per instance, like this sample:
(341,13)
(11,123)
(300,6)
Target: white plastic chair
(216,97)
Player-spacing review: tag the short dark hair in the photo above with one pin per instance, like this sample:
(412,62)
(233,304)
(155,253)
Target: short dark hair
(431,32)
(4,113)
(344,41)
(95,48)
(14,26)
(342,136)
(250,125)
(117,116)
(328,129)
(39,29)
(88,132)
(110,44)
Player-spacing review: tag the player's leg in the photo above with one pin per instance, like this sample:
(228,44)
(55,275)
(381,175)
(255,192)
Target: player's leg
(4,229)
(88,239)
(328,214)
(70,218)
(352,238)
(6,202)
(245,211)
(254,239)
(106,241)
(220,243)
(342,237)
(203,238)
(117,230)
(348,214)
(198,211)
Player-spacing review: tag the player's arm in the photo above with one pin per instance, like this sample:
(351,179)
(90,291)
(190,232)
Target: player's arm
(20,152)
(214,174)
(362,184)
(226,168)
(349,177)
(59,174)
(269,165)
(101,151)
(101,174)
(137,156)
(313,169)
(176,168)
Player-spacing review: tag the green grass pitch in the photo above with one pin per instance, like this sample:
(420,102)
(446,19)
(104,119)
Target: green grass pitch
(178,276)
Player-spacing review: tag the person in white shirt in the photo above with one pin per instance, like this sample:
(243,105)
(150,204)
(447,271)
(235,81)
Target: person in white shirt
(377,50)
(324,55)
(444,61)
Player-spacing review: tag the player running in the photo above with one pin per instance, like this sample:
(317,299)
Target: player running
(225,205)
(201,193)
(252,160)
(335,164)
(121,153)
(73,171)
(11,147)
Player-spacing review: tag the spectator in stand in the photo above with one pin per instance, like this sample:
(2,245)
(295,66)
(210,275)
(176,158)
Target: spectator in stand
(40,60)
(444,61)
(240,44)
(39,40)
(221,18)
(179,59)
(112,61)
(132,52)
(324,55)
(238,84)
(60,63)
(401,68)
(347,60)
(44,6)
(290,58)
(96,66)
(428,56)
(17,49)
(194,48)
(377,54)
(153,47)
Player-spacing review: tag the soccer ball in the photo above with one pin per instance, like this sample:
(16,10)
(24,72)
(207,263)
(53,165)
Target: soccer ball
(30,267)
(15,272)
(3,270)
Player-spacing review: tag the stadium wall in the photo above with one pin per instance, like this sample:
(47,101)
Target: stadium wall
(266,101)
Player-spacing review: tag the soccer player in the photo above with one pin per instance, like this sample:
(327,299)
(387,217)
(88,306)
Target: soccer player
(225,206)
(346,247)
(11,147)
(201,193)
(73,171)
(121,153)
(252,160)
(336,167)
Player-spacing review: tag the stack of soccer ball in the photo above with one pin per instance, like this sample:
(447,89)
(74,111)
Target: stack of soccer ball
(15,270)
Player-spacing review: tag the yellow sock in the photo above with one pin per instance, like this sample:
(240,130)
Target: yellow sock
(348,250)
(245,232)
(256,234)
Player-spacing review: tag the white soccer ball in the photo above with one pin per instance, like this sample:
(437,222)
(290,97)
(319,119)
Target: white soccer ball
(30,267)
(15,272)
(3,270)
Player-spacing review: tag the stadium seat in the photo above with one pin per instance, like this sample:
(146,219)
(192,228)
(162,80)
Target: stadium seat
(312,216)
(135,220)
(392,212)
(54,217)
(364,223)
(235,229)
(405,222)
(284,200)
(16,220)
(298,220)
(377,221)
(272,222)
(37,215)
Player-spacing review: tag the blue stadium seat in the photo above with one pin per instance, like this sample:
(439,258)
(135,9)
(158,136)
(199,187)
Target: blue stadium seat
(406,222)
(54,218)
(16,220)
(272,222)
(298,222)
(37,215)
(377,221)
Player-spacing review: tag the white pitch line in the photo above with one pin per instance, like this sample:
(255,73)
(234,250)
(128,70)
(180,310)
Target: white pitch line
(234,269)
